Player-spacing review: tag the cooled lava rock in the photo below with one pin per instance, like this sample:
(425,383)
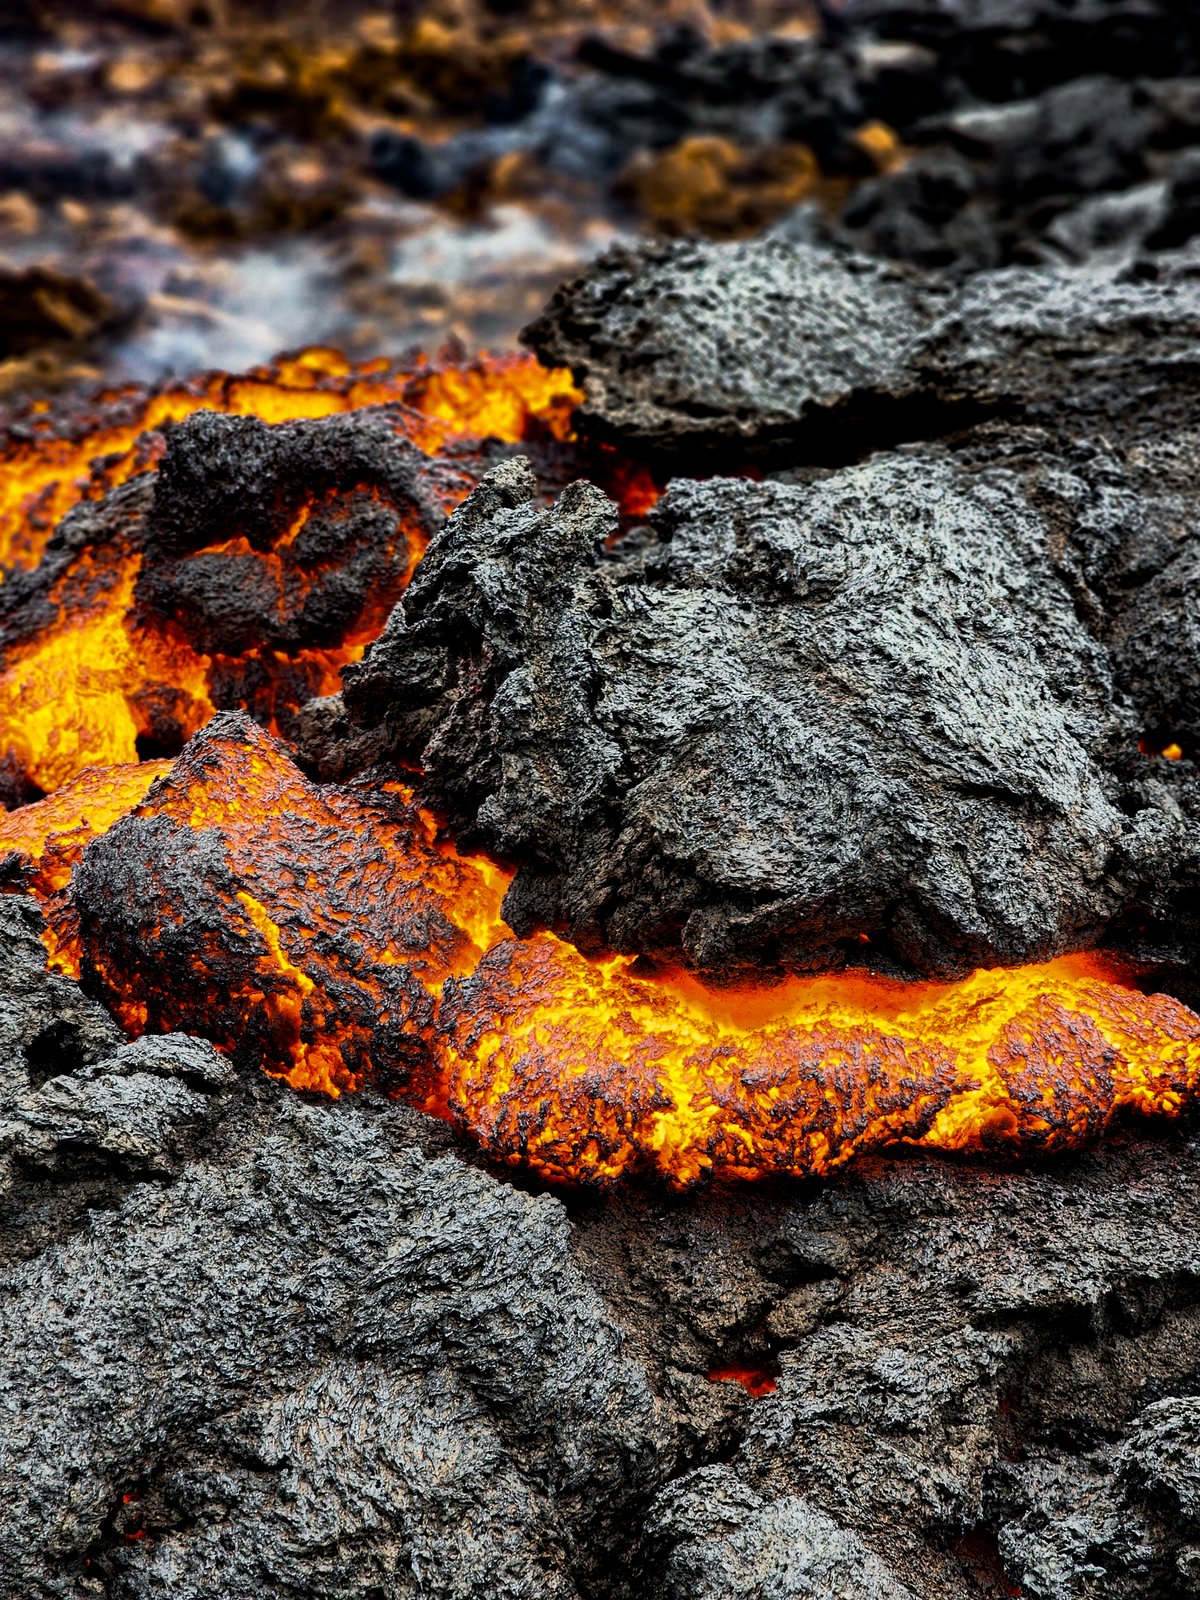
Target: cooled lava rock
(797,718)
(799,354)
(679,345)
(253,1344)
(906,710)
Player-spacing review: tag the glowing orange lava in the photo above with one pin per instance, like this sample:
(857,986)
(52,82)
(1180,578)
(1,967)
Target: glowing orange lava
(329,935)
(586,1070)
(756,1381)
(326,934)
(94,679)
(40,845)
(307,927)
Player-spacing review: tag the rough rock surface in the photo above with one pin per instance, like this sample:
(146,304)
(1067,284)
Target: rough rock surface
(371,501)
(731,345)
(256,1345)
(799,354)
(797,716)
(936,681)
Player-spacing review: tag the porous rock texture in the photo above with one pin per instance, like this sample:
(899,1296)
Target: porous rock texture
(254,1345)
(809,355)
(796,717)
(730,345)
(914,697)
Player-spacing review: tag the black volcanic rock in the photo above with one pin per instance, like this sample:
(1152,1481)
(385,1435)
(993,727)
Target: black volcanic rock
(797,717)
(251,1344)
(787,353)
(690,344)
(370,497)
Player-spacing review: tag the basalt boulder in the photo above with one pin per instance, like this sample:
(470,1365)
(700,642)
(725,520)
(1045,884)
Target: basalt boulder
(717,355)
(688,345)
(800,724)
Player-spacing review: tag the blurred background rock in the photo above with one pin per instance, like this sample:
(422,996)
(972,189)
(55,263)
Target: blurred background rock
(196,183)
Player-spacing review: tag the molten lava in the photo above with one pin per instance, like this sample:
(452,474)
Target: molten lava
(326,934)
(585,1070)
(331,936)
(40,844)
(758,1381)
(103,674)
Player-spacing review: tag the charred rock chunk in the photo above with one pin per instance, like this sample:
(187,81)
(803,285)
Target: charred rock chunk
(78,1105)
(800,719)
(689,344)
(278,537)
(240,573)
(303,930)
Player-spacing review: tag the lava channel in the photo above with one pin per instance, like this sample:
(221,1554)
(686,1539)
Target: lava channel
(328,935)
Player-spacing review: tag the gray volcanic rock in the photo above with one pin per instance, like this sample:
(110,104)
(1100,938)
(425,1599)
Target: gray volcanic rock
(798,717)
(1156,645)
(695,344)
(726,1541)
(790,352)
(313,1353)
(307,1356)
(44,1020)
(1081,352)
(1020,1417)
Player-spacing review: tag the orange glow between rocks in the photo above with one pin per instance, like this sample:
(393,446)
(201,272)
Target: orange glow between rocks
(756,1381)
(40,844)
(81,692)
(358,946)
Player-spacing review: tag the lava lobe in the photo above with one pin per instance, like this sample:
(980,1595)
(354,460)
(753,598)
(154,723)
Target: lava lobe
(302,929)
(326,934)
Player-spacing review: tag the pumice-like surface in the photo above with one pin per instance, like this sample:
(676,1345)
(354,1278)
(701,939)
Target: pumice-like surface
(799,354)
(732,345)
(796,718)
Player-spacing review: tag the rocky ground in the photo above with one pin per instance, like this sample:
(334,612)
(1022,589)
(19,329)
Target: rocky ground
(257,1345)
(260,1343)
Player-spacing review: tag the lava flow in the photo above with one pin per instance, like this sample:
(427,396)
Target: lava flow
(104,657)
(326,934)
(329,934)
